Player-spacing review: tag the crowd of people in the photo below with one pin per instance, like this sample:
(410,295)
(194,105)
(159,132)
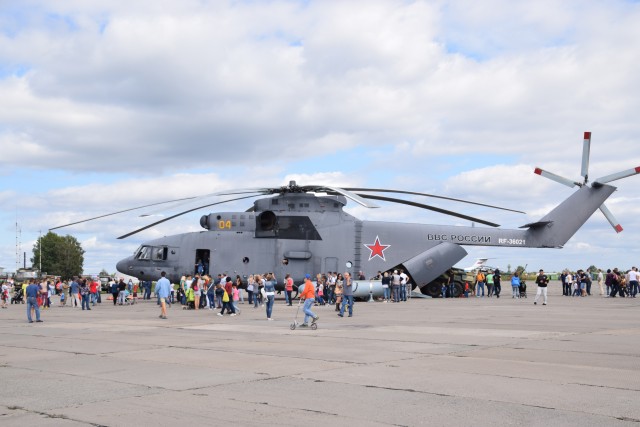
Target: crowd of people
(612,284)
(224,293)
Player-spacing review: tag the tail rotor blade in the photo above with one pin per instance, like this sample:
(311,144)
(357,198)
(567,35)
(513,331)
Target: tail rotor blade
(556,178)
(612,219)
(615,176)
(586,148)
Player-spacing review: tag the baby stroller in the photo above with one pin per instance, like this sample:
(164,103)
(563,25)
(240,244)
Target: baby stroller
(523,289)
(17,298)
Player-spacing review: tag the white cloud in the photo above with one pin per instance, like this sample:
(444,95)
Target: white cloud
(150,101)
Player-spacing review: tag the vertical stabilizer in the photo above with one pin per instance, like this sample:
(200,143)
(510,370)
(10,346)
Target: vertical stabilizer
(559,225)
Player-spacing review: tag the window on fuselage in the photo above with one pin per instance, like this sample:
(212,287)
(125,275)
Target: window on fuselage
(160,254)
(144,253)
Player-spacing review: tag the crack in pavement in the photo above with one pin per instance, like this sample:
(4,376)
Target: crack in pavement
(55,416)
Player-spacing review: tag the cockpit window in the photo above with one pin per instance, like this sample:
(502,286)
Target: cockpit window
(144,252)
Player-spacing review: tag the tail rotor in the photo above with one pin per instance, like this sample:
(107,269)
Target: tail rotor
(586,151)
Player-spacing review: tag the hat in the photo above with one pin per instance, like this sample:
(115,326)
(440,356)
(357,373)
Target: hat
(307,276)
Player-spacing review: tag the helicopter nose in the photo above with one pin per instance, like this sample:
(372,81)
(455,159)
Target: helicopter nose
(123,265)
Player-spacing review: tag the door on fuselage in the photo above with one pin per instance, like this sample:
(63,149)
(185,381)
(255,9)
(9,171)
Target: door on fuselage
(330,264)
(202,263)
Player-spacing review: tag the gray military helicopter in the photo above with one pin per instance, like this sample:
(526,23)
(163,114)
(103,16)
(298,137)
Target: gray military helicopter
(299,231)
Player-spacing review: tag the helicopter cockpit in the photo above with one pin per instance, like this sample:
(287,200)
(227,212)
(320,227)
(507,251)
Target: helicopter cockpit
(156,253)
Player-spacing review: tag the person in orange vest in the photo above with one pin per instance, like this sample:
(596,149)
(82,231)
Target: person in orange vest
(480,278)
(309,297)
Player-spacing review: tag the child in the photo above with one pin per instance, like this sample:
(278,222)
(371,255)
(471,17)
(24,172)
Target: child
(236,298)
(321,294)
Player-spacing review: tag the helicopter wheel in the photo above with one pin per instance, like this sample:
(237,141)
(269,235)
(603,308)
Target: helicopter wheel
(433,289)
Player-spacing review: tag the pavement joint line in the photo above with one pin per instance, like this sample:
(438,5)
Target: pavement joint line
(55,416)
(313,411)
(409,390)
(605,386)
(85,376)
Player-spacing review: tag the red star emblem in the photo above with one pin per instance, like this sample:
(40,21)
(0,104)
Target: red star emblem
(377,249)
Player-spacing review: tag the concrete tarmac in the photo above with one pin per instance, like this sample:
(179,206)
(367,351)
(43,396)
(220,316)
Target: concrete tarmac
(455,362)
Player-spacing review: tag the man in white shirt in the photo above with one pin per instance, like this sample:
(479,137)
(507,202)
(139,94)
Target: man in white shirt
(634,279)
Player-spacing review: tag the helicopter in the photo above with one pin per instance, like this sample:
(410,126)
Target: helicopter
(303,229)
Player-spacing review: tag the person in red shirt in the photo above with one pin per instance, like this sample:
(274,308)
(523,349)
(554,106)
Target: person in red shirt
(228,286)
(288,287)
(93,289)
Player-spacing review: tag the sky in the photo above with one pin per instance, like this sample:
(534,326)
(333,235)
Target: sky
(108,105)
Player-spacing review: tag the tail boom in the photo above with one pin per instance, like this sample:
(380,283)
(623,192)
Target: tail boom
(565,220)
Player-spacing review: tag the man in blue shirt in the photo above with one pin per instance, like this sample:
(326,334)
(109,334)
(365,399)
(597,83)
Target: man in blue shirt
(75,288)
(32,292)
(163,290)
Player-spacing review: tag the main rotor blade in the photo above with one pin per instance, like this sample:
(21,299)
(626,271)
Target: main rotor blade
(180,214)
(122,211)
(586,149)
(615,176)
(557,178)
(346,193)
(383,190)
(612,219)
(257,192)
(431,208)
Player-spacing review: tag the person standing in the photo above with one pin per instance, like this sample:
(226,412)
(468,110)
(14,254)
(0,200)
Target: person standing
(211,294)
(65,293)
(480,280)
(489,284)
(309,296)
(587,275)
(259,284)
(395,286)
(497,287)
(93,290)
(404,282)
(228,288)
(332,288)
(565,287)
(270,294)
(122,296)
(32,292)
(338,291)
(386,283)
(288,288)
(634,281)
(84,294)
(114,292)
(601,281)
(5,294)
(163,290)
(347,295)
(542,281)
(515,285)
(74,293)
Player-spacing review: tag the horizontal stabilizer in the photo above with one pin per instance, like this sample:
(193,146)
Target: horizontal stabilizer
(537,224)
